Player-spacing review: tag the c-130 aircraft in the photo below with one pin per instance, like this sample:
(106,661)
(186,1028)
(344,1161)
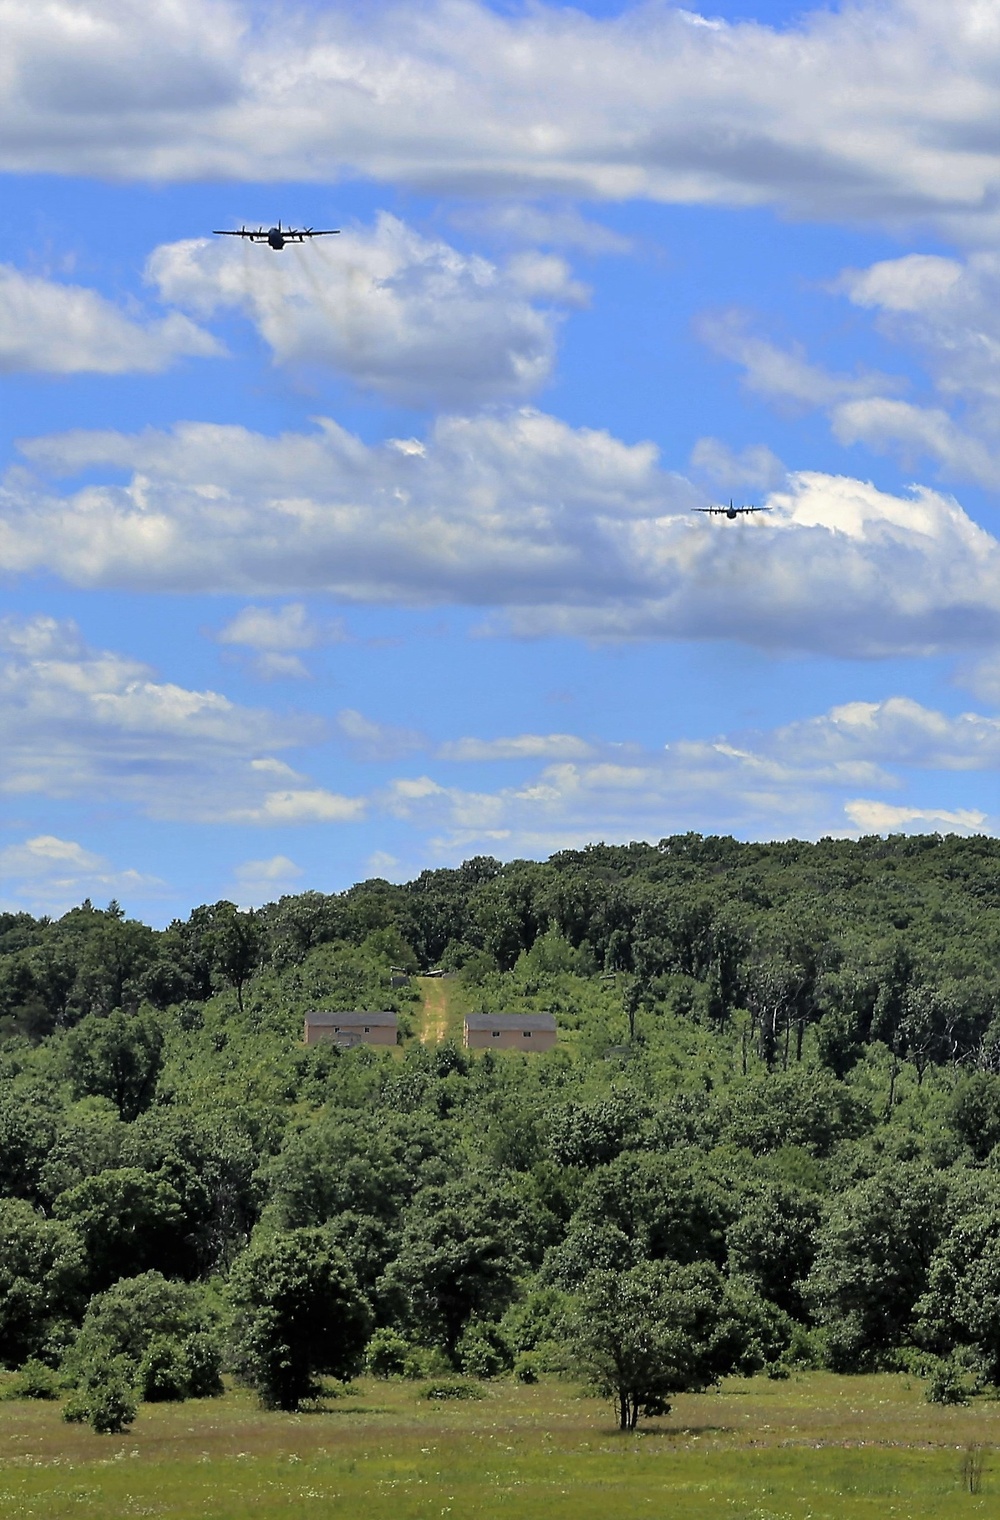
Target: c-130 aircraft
(277,237)
(731,512)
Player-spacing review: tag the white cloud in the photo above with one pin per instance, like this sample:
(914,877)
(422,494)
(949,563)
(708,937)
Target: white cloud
(884,109)
(522,747)
(301,805)
(560,530)
(274,632)
(982,677)
(380,863)
(51,328)
(560,226)
(799,779)
(400,314)
(83,723)
(273,628)
(260,881)
(48,875)
(371,740)
(881,818)
(783,375)
(756,466)
(915,433)
(947,312)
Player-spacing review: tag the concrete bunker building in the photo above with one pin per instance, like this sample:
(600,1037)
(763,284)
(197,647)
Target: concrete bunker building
(510,1031)
(349,1029)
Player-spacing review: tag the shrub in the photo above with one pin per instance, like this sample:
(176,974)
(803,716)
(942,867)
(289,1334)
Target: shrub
(390,1354)
(163,1372)
(452,1388)
(527,1367)
(482,1351)
(162,1333)
(105,1398)
(34,1381)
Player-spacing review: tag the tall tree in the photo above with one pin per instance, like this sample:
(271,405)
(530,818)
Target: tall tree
(297,1313)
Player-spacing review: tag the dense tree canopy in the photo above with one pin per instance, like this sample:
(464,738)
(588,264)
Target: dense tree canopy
(777,1087)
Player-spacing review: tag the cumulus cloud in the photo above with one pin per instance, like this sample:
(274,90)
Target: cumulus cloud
(561,226)
(915,433)
(85,723)
(882,818)
(802,778)
(398,313)
(982,677)
(48,875)
(274,633)
(884,109)
(553,529)
(51,328)
(947,309)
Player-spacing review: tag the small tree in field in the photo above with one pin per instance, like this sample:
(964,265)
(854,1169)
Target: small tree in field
(641,1336)
(298,1312)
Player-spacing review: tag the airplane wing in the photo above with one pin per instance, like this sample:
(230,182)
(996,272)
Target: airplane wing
(243,232)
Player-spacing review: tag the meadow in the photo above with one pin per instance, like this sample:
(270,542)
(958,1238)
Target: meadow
(814,1447)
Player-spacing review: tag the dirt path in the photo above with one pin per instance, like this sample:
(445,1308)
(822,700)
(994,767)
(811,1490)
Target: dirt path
(435,1010)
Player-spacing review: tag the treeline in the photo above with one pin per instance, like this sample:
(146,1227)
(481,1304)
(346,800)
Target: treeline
(771,1121)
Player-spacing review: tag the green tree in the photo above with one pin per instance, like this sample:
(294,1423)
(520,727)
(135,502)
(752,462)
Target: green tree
(41,1282)
(874,1249)
(642,1336)
(297,1312)
(161,1332)
(773,1243)
(462,1249)
(961,1306)
(234,941)
(118,1056)
(128,1221)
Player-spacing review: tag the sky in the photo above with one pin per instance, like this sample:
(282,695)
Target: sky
(382,551)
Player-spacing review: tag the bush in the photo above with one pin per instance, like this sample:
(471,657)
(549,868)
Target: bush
(946,1386)
(390,1354)
(482,1351)
(452,1388)
(34,1381)
(163,1372)
(105,1398)
(161,1331)
(527,1367)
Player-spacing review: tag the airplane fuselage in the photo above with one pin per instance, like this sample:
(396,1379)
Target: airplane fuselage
(275,239)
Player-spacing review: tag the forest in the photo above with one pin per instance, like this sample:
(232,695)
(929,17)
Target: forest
(767,1138)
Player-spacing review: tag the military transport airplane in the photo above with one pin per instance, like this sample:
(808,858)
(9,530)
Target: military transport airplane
(277,237)
(730,511)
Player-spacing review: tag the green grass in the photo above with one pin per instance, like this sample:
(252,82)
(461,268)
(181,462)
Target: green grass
(811,1448)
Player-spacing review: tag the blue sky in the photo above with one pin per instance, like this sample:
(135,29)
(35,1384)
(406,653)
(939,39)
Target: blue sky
(369,556)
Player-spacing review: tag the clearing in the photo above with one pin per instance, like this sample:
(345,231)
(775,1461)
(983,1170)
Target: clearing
(442,1010)
(814,1448)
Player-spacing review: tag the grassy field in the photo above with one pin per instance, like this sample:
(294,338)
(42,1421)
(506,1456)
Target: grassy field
(807,1449)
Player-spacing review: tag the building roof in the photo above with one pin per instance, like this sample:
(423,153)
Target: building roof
(324,1020)
(539,1021)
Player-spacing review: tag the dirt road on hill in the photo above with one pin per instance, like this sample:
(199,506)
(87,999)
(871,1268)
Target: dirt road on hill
(435,1010)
